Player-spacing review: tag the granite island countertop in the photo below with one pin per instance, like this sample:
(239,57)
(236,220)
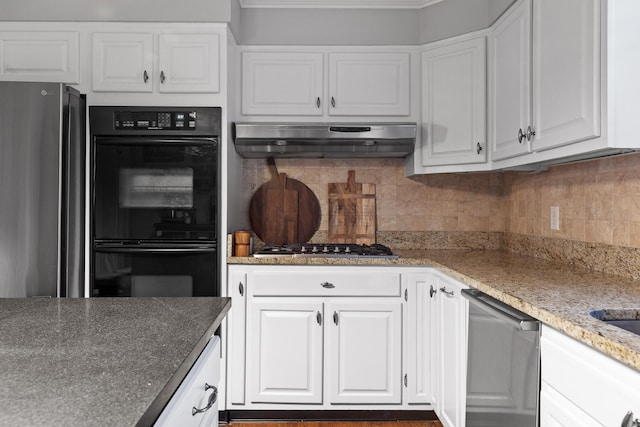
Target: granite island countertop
(98,361)
(558,294)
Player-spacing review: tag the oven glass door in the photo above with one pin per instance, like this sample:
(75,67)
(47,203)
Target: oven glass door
(135,272)
(152,189)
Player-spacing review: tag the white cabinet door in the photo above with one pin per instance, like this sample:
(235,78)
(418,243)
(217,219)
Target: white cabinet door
(236,341)
(369,84)
(123,62)
(364,350)
(419,344)
(451,346)
(189,63)
(43,56)
(282,83)
(285,351)
(453,103)
(566,72)
(511,82)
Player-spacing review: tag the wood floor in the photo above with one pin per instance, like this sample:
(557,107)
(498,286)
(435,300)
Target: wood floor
(338,424)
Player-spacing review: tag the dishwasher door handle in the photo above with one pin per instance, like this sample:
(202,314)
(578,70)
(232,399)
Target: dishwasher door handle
(501,310)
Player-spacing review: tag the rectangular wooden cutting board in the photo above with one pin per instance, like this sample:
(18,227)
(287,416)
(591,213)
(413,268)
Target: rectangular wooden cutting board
(352,212)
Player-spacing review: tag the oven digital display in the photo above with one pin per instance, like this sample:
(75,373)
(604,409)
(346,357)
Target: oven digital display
(146,120)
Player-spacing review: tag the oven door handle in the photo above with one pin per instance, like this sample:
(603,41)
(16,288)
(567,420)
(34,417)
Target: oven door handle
(148,250)
(143,140)
(501,310)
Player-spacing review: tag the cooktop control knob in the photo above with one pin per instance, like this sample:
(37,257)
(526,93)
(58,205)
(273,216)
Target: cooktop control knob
(336,249)
(347,250)
(303,249)
(325,249)
(314,249)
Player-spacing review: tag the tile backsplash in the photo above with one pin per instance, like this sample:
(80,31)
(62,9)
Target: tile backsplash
(598,200)
(444,202)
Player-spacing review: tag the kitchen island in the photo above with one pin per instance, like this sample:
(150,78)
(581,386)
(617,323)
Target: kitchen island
(558,294)
(98,361)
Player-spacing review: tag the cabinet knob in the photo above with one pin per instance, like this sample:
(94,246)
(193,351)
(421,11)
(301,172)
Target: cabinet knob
(335,317)
(145,76)
(521,136)
(318,102)
(327,285)
(241,289)
(530,133)
(161,76)
(319,318)
(478,148)
(333,102)
(406,295)
(212,400)
(432,291)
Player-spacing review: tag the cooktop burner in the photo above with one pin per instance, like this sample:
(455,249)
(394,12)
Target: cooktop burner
(327,250)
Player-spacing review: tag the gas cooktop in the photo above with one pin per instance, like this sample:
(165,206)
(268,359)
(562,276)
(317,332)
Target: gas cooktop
(327,250)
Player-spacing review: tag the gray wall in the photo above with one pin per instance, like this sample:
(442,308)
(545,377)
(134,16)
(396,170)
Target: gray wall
(328,27)
(116,10)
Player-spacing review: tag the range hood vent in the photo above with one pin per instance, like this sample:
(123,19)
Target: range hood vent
(324,140)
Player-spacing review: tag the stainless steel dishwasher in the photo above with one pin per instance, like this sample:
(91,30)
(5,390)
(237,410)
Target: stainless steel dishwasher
(503,364)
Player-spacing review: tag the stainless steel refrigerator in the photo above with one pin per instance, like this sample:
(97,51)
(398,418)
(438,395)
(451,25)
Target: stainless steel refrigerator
(42,191)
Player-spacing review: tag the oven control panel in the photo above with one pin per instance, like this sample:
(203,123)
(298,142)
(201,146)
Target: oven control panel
(154,120)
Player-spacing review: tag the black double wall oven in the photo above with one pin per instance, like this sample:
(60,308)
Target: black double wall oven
(155,201)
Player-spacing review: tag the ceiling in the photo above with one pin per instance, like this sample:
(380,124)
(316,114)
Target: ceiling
(339,4)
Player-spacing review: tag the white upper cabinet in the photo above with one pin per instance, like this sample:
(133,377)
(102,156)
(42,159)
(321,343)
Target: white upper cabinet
(189,63)
(454,103)
(511,83)
(546,80)
(566,72)
(370,84)
(123,62)
(128,62)
(312,83)
(39,56)
(282,83)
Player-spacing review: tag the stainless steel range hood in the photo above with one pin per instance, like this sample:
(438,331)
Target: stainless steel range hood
(329,140)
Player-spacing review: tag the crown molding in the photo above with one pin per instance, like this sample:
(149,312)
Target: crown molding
(338,4)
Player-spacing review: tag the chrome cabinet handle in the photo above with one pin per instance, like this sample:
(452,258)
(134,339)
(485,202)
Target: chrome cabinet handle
(161,76)
(405,380)
(335,317)
(478,148)
(318,102)
(446,292)
(628,421)
(327,285)
(521,136)
(406,295)
(530,133)
(241,288)
(432,291)
(319,318)
(333,102)
(210,403)
(145,76)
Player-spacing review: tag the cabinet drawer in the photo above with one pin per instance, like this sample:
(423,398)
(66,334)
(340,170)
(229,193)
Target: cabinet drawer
(192,393)
(324,282)
(594,382)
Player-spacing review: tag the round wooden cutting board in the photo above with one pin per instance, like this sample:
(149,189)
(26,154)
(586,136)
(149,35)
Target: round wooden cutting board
(284,210)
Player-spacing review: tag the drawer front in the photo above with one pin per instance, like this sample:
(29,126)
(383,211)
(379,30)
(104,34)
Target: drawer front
(599,385)
(324,282)
(205,373)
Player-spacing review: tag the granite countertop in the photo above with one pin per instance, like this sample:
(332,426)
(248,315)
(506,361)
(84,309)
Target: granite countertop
(558,294)
(98,361)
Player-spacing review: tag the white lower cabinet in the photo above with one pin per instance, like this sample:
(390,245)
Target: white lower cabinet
(581,386)
(195,403)
(450,331)
(323,337)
